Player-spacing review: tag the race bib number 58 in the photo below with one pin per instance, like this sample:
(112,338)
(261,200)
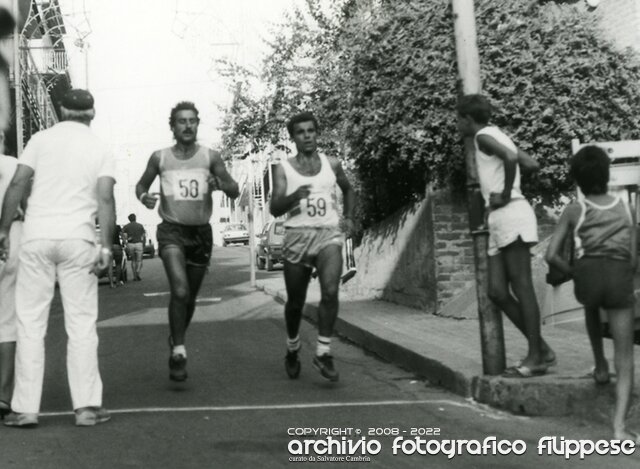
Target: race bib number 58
(189,186)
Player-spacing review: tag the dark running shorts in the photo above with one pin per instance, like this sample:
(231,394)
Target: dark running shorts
(603,282)
(195,242)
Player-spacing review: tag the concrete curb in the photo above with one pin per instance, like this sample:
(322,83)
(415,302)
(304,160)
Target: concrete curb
(546,396)
(435,371)
(554,394)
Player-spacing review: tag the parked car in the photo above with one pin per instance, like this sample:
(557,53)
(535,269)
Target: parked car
(149,250)
(269,246)
(235,233)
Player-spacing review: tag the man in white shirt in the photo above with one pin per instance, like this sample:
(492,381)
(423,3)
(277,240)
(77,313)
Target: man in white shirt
(73,176)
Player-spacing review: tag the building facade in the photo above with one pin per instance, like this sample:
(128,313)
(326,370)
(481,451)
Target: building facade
(39,74)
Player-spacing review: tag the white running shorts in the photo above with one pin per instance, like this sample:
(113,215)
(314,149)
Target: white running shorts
(506,224)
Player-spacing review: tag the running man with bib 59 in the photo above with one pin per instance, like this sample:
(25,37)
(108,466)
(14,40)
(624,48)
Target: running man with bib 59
(304,188)
(189,173)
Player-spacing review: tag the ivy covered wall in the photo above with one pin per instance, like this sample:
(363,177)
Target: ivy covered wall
(381,77)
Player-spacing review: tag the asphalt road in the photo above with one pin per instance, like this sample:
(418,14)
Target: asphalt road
(238,409)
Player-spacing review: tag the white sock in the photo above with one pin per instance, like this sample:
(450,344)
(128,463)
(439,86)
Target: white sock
(179,350)
(293,345)
(324,346)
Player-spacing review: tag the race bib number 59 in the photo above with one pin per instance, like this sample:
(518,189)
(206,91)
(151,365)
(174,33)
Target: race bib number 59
(316,207)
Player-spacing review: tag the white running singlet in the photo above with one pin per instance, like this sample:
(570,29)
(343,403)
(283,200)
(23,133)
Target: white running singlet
(320,209)
(185,196)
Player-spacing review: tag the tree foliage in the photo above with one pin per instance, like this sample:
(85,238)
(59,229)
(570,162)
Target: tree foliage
(381,77)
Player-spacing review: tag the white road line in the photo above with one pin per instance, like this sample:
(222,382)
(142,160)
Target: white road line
(316,405)
(565,321)
(212,299)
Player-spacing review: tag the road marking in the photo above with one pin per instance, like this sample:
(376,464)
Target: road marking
(213,299)
(316,405)
(565,321)
(248,307)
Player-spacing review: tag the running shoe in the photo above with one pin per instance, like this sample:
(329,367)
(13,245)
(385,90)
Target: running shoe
(324,364)
(177,368)
(292,364)
(21,420)
(90,416)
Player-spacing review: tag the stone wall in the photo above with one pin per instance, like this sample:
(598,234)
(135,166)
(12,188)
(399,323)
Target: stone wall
(420,257)
(395,260)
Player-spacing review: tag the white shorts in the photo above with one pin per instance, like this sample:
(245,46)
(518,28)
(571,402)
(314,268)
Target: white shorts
(301,245)
(8,274)
(506,224)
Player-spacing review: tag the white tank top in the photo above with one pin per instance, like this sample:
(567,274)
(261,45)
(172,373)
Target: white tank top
(185,198)
(491,168)
(320,209)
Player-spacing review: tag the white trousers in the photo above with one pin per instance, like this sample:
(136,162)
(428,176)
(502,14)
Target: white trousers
(41,261)
(8,275)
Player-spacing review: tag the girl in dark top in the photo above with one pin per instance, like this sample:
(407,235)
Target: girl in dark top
(604,231)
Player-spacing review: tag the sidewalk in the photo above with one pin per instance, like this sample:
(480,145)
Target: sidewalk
(446,351)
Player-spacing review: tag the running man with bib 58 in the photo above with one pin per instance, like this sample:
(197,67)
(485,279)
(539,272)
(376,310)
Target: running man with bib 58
(304,188)
(189,173)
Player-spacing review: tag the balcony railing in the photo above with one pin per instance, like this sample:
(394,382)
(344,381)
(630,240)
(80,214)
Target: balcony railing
(48,60)
(38,110)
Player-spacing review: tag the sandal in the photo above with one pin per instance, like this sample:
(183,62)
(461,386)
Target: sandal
(523,371)
(548,362)
(600,382)
(634,437)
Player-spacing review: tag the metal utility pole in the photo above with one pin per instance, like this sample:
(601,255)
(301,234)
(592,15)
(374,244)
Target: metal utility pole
(252,237)
(17,80)
(491,330)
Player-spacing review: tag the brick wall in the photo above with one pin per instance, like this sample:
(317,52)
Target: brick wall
(453,247)
(422,257)
(454,260)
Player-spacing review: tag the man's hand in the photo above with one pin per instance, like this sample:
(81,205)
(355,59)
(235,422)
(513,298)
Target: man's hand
(102,262)
(217,183)
(348,227)
(498,199)
(302,192)
(149,200)
(4,245)
(214,183)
